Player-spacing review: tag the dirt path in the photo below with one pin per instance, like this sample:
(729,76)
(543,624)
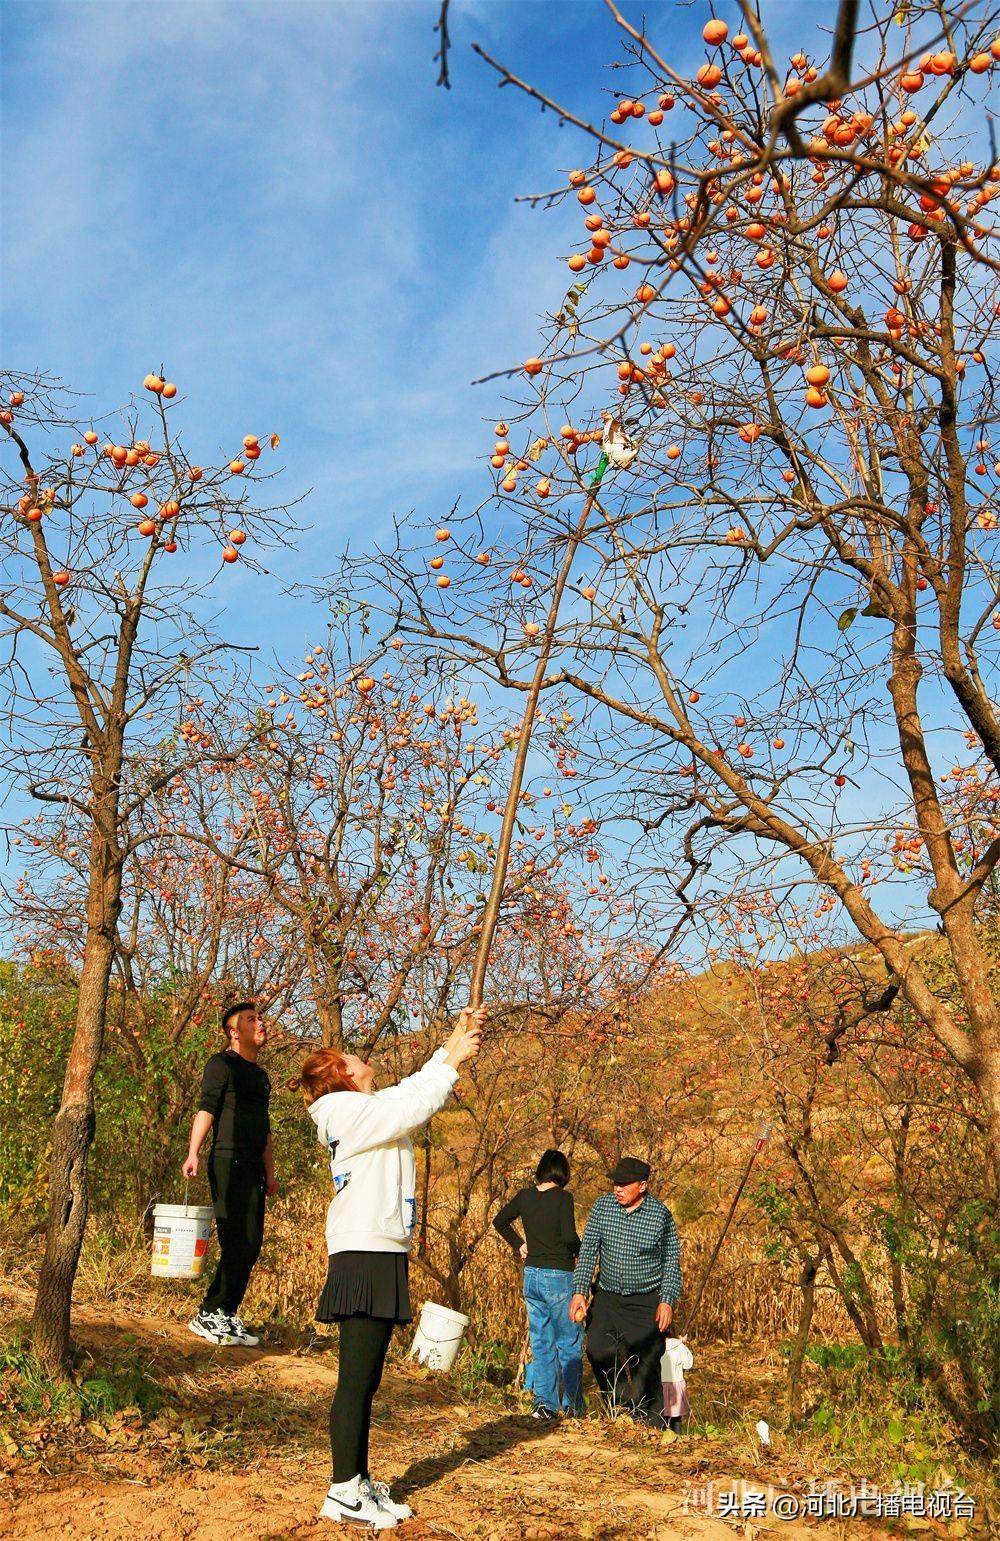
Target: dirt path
(468,1470)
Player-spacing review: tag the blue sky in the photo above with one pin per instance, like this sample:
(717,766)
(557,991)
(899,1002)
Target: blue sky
(274,200)
(276,203)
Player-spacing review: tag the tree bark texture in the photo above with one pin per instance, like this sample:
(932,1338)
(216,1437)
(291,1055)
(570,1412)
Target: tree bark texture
(73,1131)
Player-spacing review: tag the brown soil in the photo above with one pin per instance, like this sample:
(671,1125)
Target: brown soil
(469,1470)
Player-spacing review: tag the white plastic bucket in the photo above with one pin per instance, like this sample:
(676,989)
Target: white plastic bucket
(181,1234)
(438,1336)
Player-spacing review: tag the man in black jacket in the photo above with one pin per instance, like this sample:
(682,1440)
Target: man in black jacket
(235,1093)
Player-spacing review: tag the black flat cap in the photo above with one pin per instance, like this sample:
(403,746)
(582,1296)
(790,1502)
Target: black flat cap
(630,1170)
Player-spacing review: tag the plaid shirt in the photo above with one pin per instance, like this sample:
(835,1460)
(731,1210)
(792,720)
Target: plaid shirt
(639,1249)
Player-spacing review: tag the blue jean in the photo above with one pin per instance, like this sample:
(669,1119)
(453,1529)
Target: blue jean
(556,1342)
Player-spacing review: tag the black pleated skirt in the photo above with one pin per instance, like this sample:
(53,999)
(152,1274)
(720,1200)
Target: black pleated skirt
(366,1284)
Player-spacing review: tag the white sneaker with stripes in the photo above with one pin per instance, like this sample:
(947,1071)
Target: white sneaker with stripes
(240,1334)
(214,1327)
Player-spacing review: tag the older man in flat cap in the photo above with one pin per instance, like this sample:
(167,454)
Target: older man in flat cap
(632,1240)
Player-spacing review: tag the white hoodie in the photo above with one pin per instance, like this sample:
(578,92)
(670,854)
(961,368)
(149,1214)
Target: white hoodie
(374,1205)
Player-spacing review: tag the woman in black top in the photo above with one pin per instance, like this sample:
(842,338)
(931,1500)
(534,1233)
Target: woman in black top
(548,1250)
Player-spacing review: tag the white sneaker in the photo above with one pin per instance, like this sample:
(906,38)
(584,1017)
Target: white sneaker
(380,1492)
(352,1503)
(213,1326)
(240,1334)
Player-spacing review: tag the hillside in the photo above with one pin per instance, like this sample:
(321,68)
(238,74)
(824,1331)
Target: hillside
(238,1448)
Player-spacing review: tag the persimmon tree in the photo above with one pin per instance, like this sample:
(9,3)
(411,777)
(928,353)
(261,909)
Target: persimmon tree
(356,799)
(559,980)
(372,798)
(786,612)
(110,541)
(879,1187)
(196,929)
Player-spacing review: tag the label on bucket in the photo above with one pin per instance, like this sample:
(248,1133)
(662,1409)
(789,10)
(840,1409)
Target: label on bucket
(179,1246)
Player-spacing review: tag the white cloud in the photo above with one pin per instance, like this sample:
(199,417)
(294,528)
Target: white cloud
(276,203)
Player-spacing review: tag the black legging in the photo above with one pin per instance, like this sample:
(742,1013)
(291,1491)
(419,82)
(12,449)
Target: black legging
(364,1343)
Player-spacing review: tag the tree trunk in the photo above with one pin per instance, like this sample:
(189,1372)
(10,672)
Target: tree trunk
(331,1020)
(72,1134)
(71,1138)
(854,1292)
(326,994)
(453,1292)
(458,1256)
(897,1281)
(807,1284)
(989,1090)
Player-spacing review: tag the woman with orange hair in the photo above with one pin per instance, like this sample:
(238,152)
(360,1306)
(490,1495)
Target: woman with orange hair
(368,1228)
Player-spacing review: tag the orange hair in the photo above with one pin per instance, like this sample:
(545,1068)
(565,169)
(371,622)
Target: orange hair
(325,1071)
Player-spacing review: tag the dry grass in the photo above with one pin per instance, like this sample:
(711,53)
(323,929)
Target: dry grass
(243,1427)
(746,1299)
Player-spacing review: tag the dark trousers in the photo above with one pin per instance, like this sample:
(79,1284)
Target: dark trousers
(237,1184)
(625,1346)
(364,1343)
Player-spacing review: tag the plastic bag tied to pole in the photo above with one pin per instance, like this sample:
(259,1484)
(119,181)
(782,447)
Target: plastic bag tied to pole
(617,444)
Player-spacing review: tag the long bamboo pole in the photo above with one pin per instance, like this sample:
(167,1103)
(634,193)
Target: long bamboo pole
(491,913)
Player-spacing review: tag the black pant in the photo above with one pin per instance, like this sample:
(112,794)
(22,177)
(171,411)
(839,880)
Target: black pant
(625,1346)
(364,1343)
(237,1184)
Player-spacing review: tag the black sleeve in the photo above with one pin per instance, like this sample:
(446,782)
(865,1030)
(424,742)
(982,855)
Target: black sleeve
(567,1219)
(214,1084)
(502,1222)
